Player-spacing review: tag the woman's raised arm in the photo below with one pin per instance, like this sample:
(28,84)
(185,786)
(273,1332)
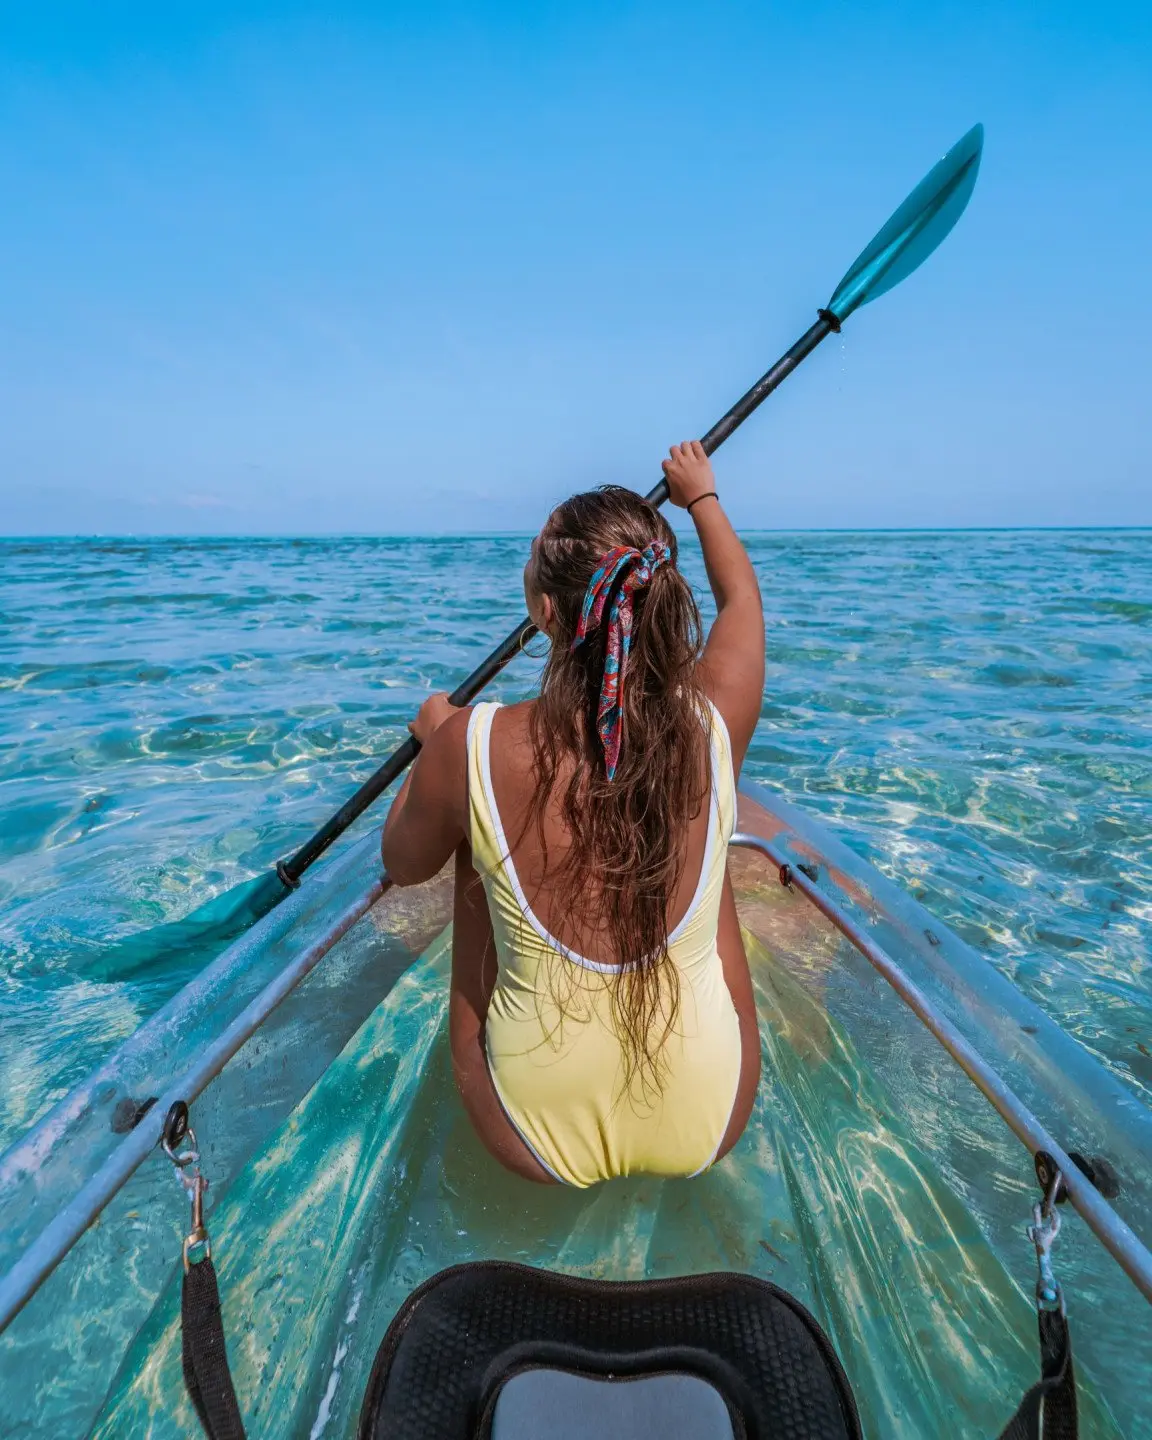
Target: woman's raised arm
(733,663)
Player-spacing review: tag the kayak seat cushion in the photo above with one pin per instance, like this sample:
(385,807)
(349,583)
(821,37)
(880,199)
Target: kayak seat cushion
(567,1406)
(496,1351)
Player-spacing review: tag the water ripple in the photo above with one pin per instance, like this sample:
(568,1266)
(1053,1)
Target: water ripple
(969,710)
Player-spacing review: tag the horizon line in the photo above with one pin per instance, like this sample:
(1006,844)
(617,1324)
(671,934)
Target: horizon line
(91,535)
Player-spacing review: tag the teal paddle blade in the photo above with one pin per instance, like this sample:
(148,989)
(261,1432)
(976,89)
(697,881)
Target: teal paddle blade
(180,946)
(915,230)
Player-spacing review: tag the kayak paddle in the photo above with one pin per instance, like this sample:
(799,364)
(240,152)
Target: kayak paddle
(898,248)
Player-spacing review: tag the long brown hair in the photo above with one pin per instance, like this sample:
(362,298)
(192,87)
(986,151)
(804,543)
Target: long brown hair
(628,832)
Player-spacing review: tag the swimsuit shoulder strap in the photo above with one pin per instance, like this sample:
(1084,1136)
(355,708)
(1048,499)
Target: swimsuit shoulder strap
(723,774)
(484,823)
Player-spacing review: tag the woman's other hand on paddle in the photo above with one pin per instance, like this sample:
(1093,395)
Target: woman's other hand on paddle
(689,473)
(431,715)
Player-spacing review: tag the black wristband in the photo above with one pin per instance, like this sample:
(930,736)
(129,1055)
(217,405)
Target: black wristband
(708,495)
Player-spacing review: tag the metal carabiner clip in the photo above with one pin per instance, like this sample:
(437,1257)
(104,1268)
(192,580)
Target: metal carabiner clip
(197,1236)
(177,1131)
(1042,1232)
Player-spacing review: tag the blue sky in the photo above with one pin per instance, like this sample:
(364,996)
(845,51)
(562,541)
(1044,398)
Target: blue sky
(285,269)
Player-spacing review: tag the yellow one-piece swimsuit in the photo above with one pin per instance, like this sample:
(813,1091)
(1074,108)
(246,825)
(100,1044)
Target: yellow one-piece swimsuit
(556,1061)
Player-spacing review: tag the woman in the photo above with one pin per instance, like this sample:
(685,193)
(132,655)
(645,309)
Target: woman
(602,1020)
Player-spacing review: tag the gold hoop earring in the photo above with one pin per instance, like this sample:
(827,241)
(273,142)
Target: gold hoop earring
(524,643)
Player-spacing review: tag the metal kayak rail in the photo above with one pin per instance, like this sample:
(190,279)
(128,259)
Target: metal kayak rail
(53,1243)
(1121,1242)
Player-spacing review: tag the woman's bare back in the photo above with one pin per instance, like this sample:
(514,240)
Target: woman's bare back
(537,859)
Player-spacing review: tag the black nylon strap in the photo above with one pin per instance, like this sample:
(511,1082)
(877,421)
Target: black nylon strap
(1054,1395)
(205,1357)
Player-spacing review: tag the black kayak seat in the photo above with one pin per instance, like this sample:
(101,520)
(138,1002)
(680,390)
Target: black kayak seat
(499,1351)
(548,1404)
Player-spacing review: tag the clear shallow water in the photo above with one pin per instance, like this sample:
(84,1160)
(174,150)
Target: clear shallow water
(376,1182)
(343,1176)
(969,710)
(215,729)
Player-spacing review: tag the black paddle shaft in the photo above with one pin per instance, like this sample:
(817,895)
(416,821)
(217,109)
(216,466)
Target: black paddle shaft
(292,869)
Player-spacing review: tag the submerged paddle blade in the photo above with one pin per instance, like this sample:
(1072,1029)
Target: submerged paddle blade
(178,946)
(915,230)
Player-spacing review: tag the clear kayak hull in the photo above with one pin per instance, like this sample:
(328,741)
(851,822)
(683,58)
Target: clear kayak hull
(872,1182)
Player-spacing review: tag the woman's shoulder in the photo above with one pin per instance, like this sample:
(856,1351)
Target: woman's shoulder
(507,725)
(734,708)
(510,722)
(510,745)
(515,714)
(446,748)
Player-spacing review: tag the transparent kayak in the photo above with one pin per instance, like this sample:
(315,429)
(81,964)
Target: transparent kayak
(872,1183)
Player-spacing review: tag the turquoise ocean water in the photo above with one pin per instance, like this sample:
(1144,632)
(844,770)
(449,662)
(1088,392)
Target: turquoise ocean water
(967,710)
